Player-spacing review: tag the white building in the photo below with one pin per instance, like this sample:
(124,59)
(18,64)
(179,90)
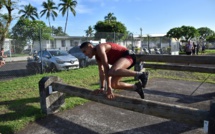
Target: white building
(7,46)
(63,42)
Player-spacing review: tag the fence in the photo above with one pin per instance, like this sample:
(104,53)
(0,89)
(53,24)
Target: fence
(25,40)
(52,92)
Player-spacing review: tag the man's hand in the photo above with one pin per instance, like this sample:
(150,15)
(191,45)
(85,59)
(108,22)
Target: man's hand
(110,94)
(99,91)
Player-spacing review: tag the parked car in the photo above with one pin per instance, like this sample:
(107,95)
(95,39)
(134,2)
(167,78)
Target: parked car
(57,60)
(34,64)
(26,51)
(83,60)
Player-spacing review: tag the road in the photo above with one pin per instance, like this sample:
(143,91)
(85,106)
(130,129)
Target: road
(13,70)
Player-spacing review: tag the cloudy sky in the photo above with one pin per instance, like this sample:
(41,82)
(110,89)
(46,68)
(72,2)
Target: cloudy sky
(153,16)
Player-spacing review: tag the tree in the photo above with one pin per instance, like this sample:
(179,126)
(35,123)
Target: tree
(66,6)
(175,33)
(89,31)
(26,30)
(49,10)
(6,19)
(186,32)
(211,38)
(113,30)
(29,12)
(1,4)
(205,32)
(189,32)
(58,31)
(110,18)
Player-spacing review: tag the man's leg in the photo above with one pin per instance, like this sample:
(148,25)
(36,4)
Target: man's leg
(117,84)
(119,69)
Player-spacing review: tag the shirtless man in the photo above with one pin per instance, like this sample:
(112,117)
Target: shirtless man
(121,61)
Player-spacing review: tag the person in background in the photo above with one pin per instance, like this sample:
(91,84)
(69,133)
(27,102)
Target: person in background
(121,60)
(203,48)
(194,48)
(189,48)
(197,48)
(2,62)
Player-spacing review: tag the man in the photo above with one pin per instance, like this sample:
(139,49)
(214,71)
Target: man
(189,48)
(2,62)
(121,61)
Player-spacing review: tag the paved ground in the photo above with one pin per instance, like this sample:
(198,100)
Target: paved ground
(13,70)
(93,118)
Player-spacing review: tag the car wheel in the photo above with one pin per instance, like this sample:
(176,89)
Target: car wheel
(82,63)
(53,68)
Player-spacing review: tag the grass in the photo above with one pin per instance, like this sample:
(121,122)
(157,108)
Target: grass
(19,98)
(207,52)
(210,51)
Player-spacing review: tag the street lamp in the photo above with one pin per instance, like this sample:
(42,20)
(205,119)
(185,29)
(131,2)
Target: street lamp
(132,40)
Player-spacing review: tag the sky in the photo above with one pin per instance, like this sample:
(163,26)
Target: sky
(153,16)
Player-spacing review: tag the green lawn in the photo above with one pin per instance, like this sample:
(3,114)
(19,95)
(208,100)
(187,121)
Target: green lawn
(207,52)
(19,98)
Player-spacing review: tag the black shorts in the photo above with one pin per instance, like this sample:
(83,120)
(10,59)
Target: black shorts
(132,55)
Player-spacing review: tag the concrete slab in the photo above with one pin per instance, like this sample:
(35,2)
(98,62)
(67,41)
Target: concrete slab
(92,117)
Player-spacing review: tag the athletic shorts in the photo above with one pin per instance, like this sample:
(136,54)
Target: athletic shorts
(131,57)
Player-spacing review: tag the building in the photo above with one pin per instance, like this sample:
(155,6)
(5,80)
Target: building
(8,46)
(152,41)
(64,42)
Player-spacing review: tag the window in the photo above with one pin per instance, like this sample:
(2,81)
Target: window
(45,54)
(63,43)
(53,44)
(71,42)
(76,43)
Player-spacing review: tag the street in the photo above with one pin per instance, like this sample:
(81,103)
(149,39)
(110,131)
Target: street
(13,70)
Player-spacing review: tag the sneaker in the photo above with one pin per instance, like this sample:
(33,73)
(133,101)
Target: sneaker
(144,78)
(139,89)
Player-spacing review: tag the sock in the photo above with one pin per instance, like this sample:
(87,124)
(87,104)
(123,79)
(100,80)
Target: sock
(134,87)
(138,74)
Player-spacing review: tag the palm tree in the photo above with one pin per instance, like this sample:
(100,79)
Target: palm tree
(6,19)
(65,7)
(58,31)
(1,4)
(89,32)
(29,12)
(49,10)
(110,17)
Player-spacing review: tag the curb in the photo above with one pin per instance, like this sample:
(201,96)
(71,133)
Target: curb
(12,59)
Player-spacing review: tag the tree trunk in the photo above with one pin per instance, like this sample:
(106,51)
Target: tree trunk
(2,41)
(67,14)
(9,8)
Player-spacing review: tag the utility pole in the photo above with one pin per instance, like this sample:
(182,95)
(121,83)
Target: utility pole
(141,32)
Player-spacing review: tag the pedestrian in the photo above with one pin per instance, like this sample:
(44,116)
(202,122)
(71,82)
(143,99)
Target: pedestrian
(194,48)
(197,48)
(121,60)
(203,48)
(189,48)
(2,62)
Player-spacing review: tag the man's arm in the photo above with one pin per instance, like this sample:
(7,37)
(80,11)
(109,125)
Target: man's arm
(104,62)
(101,75)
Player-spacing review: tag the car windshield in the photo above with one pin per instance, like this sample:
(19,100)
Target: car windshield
(75,50)
(58,53)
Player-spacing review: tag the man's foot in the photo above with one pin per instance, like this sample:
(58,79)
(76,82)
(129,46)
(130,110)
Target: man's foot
(139,89)
(144,78)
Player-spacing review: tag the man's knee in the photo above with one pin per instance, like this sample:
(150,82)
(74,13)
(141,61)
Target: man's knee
(114,85)
(111,72)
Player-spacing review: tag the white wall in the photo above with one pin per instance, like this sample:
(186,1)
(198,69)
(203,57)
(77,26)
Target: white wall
(45,44)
